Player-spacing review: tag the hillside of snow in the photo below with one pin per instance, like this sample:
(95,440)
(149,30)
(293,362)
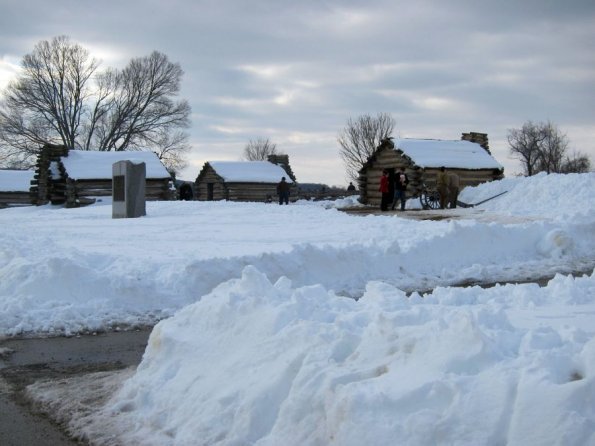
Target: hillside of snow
(295,324)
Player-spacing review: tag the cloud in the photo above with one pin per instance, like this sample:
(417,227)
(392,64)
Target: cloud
(266,71)
(296,71)
(9,69)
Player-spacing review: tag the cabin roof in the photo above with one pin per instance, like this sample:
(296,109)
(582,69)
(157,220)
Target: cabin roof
(15,180)
(249,171)
(95,165)
(448,153)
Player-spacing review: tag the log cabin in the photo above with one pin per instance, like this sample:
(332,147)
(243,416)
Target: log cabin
(469,157)
(76,178)
(243,180)
(15,187)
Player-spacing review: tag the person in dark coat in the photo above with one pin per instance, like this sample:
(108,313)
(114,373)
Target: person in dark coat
(351,187)
(401,182)
(283,191)
(186,192)
(384,189)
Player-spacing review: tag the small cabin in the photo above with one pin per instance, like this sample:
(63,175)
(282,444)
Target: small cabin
(242,180)
(469,157)
(15,187)
(77,177)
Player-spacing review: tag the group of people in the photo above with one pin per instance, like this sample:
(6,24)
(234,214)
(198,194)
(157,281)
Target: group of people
(447,184)
(400,188)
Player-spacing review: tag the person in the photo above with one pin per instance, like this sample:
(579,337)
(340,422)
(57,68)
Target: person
(283,191)
(384,188)
(351,187)
(442,186)
(453,189)
(186,193)
(401,182)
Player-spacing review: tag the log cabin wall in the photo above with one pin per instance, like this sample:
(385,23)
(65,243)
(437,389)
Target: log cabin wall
(11,199)
(467,177)
(261,192)
(52,184)
(234,191)
(208,178)
(18,194)
(419,178)
(46,185)
(391,160)
(83,192)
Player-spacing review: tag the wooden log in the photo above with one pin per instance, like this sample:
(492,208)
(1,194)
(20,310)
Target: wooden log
(15,198)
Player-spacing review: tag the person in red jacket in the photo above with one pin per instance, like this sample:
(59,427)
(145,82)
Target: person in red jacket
(384,188)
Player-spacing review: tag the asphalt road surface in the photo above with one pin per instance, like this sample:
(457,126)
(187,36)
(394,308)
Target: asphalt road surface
(23,361)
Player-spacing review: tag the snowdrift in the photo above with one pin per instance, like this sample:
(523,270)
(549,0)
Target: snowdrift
(262,363)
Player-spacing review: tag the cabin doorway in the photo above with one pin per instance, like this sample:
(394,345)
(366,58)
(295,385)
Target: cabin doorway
(210,189)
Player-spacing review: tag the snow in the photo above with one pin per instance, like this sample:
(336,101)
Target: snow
(249,171)
(15,180)
(302,325)
(437,153)
(86,165)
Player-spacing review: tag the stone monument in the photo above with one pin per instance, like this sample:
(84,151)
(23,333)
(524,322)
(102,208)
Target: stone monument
(128,189)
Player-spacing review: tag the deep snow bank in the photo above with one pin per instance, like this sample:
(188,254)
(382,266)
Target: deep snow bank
(557,196)
(71,292)
(70,270)
(267,364)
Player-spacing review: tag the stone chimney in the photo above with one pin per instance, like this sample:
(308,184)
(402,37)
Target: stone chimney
(283,161)
(479,138)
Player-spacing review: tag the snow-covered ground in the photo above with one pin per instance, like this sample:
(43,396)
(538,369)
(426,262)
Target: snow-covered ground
(262,342)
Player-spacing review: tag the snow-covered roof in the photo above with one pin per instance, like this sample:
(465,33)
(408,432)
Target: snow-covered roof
(249,171)
(88,165)
(15,180)
(454,154)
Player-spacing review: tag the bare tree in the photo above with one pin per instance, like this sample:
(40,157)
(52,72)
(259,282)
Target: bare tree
(553,149)
(45,104)
(171,148)
(360,138)
(61,98)
(259,149)
(542,147)
(11,158)
(576,163)
(134,107)
(525,145)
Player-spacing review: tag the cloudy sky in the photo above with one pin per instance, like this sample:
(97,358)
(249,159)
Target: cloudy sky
(295,71)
